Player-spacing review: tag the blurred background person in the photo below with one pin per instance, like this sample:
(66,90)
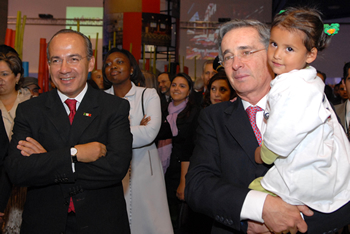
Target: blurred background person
(342,92)
(199,90)
(164,83)
(150,80)
(207,72)
(219,90)
(11,94)
(97,77)
(338,92)
(180,127)
(31,83)
(343,109)
(144,186)
(327,89)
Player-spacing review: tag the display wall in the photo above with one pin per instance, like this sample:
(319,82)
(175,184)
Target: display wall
(33,33)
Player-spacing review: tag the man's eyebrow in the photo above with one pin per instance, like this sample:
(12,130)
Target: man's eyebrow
(52,57)
(239,48)
(74,55)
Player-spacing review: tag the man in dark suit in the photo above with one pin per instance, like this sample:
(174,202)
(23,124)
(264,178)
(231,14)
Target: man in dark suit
(223,165)
(72,159)
(164,83)
(343,110)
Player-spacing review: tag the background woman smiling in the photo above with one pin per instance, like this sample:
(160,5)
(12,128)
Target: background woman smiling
(179,126)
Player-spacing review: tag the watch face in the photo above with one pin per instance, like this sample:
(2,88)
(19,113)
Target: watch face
(73,151)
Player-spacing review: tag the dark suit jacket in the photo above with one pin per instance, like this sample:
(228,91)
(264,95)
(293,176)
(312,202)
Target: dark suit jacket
(5,185)
(95,187)
(222,166)
(182,144)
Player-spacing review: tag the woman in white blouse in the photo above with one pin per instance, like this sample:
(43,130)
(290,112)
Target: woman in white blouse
(144,185)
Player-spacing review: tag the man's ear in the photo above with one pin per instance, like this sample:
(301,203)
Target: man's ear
(91,64)
(311,56)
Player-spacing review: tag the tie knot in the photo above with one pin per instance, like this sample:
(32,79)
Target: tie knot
(252,110)
(71,104)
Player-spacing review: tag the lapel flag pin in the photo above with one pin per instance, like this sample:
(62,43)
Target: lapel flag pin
(87,114)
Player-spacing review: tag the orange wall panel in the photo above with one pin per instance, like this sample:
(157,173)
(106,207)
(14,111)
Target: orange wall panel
(132,29)
(151,6)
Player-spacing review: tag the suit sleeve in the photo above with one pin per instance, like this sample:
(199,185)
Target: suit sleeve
(112,168)
(207,191)
(37,169)
(144,135)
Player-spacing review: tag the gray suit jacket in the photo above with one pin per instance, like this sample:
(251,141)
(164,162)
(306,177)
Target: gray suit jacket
(341,112)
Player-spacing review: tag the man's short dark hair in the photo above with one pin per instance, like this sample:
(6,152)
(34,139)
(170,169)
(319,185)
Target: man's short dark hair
(346,70)
(89,52)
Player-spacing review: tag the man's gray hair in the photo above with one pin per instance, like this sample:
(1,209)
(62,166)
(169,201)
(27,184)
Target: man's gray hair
(89,52)
(209,61)
(262,29)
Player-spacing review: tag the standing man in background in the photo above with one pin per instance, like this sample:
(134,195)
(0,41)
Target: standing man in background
(208,72)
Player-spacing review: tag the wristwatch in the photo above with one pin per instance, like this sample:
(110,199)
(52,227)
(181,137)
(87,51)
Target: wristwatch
(73,153)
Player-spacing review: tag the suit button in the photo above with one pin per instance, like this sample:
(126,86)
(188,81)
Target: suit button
(230,222)
(217,218)
(56,181)
(221,219)
(65,179)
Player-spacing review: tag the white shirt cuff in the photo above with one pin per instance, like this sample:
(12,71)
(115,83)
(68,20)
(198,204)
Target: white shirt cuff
(253,206)
(73,167)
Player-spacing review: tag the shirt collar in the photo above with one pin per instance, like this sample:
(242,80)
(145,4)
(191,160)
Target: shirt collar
(261,103)
(79,98)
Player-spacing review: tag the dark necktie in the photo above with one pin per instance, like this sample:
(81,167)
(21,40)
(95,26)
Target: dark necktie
(71,103)
(251,111)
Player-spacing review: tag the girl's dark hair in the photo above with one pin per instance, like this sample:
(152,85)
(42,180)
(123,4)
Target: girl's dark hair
(307,20)
(136,77)
(191,98)
(15,64)
(221,75)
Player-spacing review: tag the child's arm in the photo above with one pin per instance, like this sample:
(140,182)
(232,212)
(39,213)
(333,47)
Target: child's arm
(264,155)
(258,155)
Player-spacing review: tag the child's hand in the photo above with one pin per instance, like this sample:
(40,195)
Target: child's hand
(258,156)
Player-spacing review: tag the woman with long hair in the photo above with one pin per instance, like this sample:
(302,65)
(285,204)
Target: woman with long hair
(219,90)
(179,126)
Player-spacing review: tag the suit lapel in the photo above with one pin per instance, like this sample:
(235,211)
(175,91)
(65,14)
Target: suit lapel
(86,113)
(237,123)
(58,115)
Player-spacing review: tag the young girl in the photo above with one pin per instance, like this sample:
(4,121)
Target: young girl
(303,137)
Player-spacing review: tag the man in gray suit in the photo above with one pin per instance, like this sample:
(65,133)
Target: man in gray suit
(343,110)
